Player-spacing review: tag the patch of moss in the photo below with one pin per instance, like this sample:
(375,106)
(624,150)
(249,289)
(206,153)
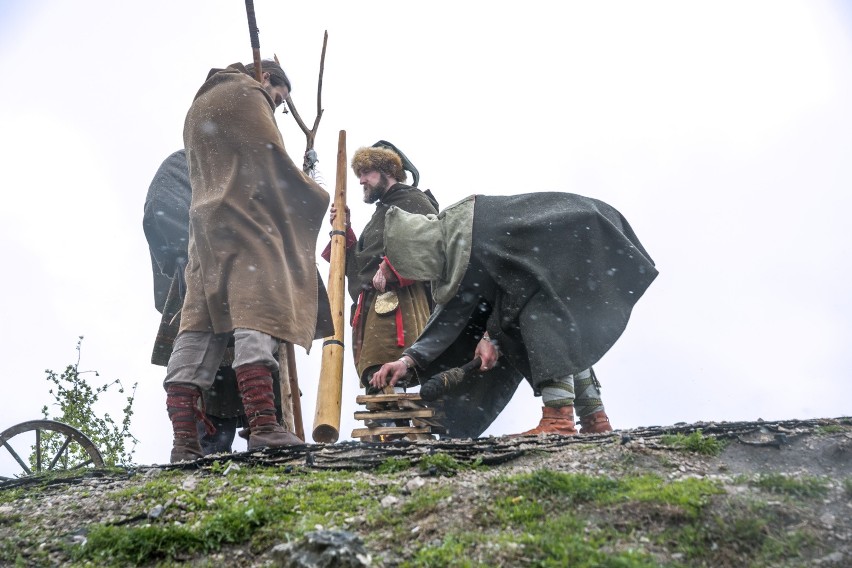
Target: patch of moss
(158,488)
(440,464)
(393,465)
(426,501)
(260,510)
(696,442)
(562,540)
(571,489)
(803,487)
(847,487)
(831,429)
(554,517)
(13,494)
(740,534)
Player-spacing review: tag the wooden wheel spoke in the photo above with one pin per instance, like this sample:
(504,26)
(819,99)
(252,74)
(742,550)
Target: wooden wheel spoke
(82,464)
(59,453)
(18,459)
(38,449)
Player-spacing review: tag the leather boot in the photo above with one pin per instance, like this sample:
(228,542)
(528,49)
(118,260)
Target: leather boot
(255,384)
(595,423)
(554,421)
(182,406)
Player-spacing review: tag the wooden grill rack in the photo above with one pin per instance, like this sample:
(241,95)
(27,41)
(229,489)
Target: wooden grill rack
(409,407)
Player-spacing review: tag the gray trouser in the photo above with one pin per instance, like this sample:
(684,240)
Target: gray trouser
(582,390)
(197,354)
(588,391)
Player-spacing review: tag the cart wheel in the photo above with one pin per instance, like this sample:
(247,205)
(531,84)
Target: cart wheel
(74,451)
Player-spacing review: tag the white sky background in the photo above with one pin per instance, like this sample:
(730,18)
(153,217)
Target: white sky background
(721,130)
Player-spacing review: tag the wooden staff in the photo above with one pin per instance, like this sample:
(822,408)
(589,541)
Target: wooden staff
(330,390)
(284,393)
(295,393)
(255,40)
(289,383)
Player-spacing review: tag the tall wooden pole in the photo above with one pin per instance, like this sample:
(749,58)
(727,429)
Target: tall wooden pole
(255,40)
(295,392)
(330,390)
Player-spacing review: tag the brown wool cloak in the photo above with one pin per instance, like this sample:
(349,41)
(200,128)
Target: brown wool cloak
(254,217)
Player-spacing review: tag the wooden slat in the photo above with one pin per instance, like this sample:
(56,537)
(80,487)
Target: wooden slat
(394,414)
(411,404)
(421,436)
(361,432)
(435,424)
(365,398)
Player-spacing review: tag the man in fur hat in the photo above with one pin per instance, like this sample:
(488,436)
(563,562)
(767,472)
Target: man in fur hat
(251,275)
(538,285)
(389,311)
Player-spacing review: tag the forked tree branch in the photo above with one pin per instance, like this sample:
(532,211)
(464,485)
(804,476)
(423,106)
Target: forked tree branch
(311,133)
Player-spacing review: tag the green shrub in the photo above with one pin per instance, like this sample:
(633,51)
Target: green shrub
(76,399)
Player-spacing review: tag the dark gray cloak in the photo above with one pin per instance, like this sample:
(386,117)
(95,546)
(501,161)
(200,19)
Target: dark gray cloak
(553,277)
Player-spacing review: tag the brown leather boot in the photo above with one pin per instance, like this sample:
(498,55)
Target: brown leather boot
(595,423)
(255,384)
(182,405)
(554,421)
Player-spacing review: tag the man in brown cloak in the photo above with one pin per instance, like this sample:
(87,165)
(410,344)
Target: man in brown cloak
(251,273)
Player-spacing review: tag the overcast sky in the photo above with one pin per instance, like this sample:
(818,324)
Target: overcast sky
(721,130)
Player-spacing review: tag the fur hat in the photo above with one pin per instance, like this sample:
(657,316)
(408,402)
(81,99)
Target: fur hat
(380,159)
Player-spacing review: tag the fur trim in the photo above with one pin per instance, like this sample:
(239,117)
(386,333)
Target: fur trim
(380,159)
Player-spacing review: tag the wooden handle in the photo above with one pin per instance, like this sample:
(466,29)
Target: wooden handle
(472,365)
(330,390)
(295,392)
(255,40)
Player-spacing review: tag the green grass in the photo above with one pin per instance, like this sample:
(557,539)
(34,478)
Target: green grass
(544,518)
(804,487)
(393,465)
(444,464)
(259,510)
(13,494)
(549,518)
(696,442)
(831,429)
(740,531)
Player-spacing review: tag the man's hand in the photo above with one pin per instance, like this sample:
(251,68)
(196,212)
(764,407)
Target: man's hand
(380,278)
(488,352)
(389,374)
(333,215)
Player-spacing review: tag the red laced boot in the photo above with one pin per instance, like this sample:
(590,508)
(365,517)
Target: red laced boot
(182,406)
(595,423)
(255,384)
(554,421)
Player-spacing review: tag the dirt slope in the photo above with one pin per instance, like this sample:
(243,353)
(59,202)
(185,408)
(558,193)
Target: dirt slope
(730,494)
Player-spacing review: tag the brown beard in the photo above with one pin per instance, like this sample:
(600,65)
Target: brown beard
(373,193)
